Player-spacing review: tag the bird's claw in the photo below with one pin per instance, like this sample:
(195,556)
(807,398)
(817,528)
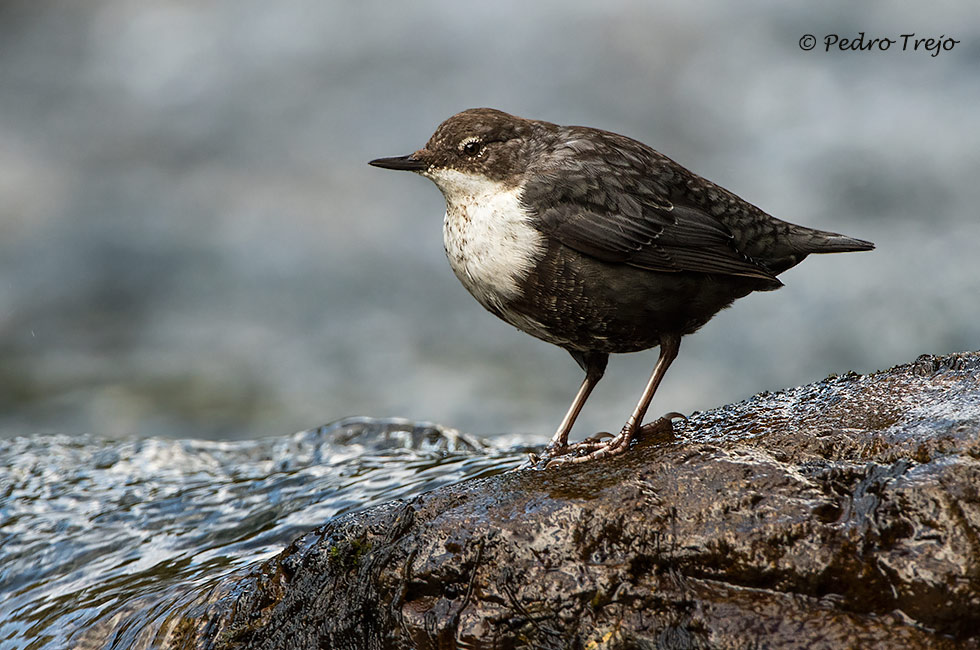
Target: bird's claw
(597,438)
(604,444)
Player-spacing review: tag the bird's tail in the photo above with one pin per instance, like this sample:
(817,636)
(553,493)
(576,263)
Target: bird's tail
(821,241)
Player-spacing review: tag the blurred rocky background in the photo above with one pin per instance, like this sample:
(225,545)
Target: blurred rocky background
(192,244)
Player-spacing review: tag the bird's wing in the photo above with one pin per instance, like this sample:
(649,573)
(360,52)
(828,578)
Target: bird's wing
(611,200)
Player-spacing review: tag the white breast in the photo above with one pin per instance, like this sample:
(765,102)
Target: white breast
(489,242)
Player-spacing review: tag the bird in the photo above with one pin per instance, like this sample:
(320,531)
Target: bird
(597,243)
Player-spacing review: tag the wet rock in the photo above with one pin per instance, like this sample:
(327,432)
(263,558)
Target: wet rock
(844,514)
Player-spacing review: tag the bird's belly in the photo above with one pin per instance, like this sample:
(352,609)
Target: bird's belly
(581,303)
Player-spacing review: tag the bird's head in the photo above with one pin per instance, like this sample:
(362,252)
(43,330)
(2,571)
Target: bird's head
(477,147)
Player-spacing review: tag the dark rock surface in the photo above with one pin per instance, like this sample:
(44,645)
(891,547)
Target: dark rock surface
(844,514)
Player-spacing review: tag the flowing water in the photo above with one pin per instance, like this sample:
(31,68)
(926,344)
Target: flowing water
(101,539)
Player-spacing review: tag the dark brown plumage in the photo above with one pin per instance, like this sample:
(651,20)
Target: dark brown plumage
(597,243)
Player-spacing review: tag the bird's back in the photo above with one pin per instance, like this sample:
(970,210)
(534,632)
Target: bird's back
(617,199)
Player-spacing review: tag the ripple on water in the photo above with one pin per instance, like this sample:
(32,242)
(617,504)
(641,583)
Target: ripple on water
(100,539)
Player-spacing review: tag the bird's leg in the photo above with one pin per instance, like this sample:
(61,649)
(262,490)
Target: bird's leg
(669,345)
(594,364)
(560,440)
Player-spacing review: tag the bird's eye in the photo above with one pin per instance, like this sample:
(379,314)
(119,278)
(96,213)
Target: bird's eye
(470,146)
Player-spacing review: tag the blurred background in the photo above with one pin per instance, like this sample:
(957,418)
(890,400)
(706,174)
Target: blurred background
(192,244)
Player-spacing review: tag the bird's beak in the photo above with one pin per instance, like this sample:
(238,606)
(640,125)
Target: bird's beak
(405,163)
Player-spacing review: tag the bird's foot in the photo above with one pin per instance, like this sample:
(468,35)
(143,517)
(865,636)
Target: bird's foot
(604,444)
(595,440)
(562,448)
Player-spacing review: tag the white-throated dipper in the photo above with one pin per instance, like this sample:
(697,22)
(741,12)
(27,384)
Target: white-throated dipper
(597,243)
